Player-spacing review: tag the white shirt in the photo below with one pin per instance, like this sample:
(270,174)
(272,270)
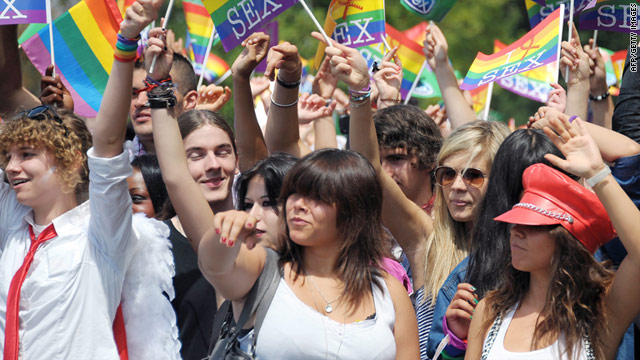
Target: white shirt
(70,295)
(293,330)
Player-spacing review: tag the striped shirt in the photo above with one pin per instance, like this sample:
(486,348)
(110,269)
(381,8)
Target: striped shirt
(424,314)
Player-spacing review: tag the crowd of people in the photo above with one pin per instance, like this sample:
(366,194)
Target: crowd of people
(432,235)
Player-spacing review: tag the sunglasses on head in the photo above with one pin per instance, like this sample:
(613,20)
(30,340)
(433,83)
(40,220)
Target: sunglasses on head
(44,113)
(445,176)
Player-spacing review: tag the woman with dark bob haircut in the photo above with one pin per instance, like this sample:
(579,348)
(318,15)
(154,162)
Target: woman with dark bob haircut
(258,190)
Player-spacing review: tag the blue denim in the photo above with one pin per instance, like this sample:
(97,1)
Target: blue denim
(445,295)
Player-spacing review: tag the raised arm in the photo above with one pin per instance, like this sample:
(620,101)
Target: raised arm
(324,85)
(388,80)
(612,145)
(577,60)
(602,107)
(282,133)
(408,223)
(583,159)
(14,95)
(435,50)
(251,145)
(111,122)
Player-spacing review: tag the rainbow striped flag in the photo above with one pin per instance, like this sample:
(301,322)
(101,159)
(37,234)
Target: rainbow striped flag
(416,33)
(611,15)
(532,84)
(23,12)
(123,5)
(215,68)
(353,23)
(538,47)
(199,28)
(411,56)
(84,40)
(237,19)
(429,9)
(538,12)
(479,98)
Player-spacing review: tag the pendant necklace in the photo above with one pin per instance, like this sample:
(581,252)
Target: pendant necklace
(328,308)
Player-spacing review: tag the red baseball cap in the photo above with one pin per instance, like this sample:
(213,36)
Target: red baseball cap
(551,197)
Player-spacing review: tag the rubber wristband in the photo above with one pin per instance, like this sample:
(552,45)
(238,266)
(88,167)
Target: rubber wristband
(288,85)
(597,178)
(453,339)
(283,105)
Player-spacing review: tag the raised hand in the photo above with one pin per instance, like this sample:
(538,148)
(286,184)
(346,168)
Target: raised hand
(574,56)
(53,91)
(460,311)
(212,97)
(157,46)
(313,107)
(324,84)
(438,114)
(258,85)
(285,58)
(598,74)
(435,46)
(347,64)
(235,227)
(140,14)
(580,150)
(388,79)
(255,49)
(557,97)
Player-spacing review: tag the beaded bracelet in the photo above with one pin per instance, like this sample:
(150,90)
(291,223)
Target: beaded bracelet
(126,49)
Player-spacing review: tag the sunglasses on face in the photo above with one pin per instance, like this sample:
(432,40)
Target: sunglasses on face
(445,176)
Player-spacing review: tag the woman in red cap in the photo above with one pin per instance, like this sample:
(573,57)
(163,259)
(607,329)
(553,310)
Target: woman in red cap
(557,300)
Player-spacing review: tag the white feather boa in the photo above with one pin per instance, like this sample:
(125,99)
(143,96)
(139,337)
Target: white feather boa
(149,318)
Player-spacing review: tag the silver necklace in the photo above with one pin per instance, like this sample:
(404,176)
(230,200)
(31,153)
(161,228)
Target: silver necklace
(326,338)
(328,308)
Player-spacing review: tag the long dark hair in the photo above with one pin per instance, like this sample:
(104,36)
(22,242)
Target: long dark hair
(273,170)
(575,304)
(490,239)
(150,170)
(346,179)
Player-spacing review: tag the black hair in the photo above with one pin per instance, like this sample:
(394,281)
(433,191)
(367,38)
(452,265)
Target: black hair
(273,170)
(410,128)
(490,239)
(150,169)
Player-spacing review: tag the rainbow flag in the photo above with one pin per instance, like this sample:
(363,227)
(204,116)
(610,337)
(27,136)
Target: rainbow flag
(123,5)
(532,84)
(237,19)
(538,47)
(199,28)
(618,59)
(214,69)
(23,12)
(538,12)
(84,41)
(479,98)
(411,56)
(611,15)
(416,33)
(353,23)
(429,9)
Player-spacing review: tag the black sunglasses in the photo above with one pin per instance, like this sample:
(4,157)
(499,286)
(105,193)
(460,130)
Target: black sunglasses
(44,113)
(445,176)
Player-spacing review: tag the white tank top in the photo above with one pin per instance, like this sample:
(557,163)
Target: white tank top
(294,330)
(553,351)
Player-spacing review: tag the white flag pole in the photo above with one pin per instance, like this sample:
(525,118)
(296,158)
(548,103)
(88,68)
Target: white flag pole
(320,28)
(164,26)
(415,82)
(595,38)
(559,42)
(223,77)
(50,22)
(487,104)
(569,32)
(213,35)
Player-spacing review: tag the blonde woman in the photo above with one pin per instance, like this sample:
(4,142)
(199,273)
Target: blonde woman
(433,246)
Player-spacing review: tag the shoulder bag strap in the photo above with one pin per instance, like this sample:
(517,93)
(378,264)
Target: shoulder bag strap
(491,337)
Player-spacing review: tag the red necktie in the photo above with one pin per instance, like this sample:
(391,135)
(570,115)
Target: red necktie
(12,326)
